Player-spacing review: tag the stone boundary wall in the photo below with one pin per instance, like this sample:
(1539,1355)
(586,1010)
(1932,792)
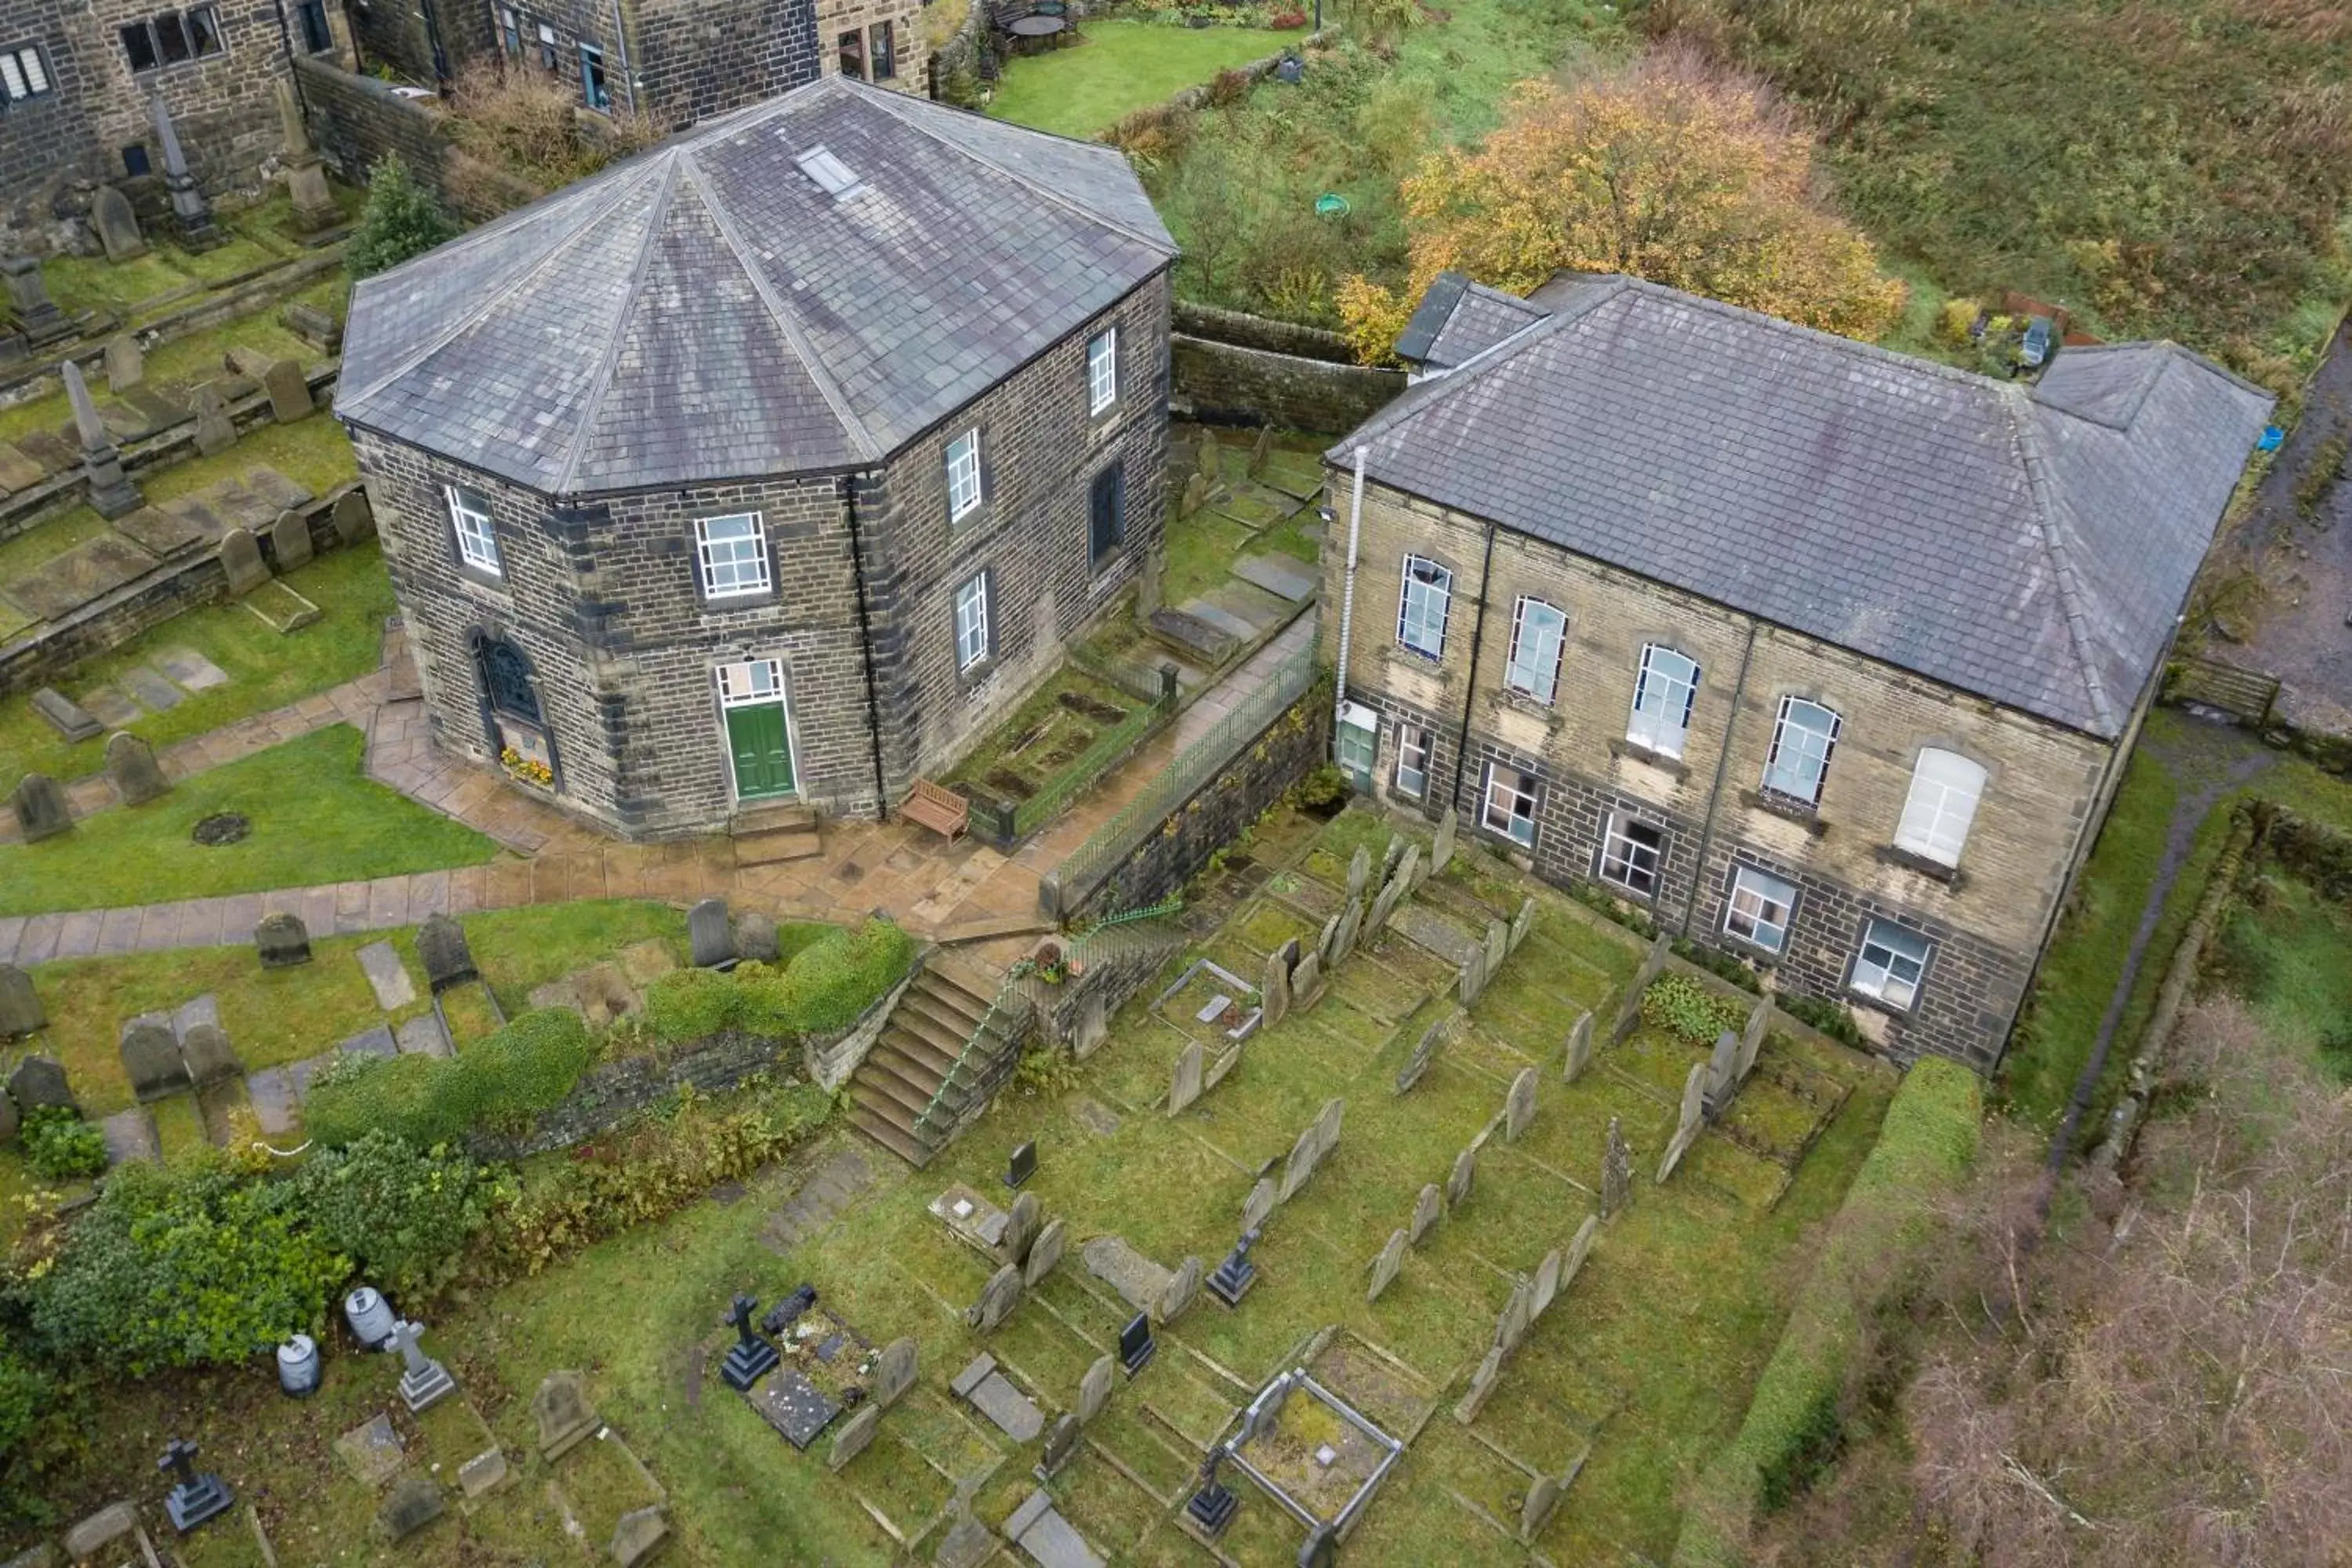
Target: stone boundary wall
(356,119)
(956,66)
(1203,95)
(1245,331)
(829,1059)
(1231,384)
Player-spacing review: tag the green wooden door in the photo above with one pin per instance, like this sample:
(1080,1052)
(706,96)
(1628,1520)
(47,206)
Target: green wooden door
(763,751)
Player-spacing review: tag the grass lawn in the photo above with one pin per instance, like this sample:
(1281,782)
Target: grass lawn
(265,669)
(315,820)
(184,361)
(1117,67)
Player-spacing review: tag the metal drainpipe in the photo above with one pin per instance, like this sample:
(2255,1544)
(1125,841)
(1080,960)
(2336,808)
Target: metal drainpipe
(628,71)
(440,56)
(1722,766)
(1347,595)
(866,647)
(1470,686)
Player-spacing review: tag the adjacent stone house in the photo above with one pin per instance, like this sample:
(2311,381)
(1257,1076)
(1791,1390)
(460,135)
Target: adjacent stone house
(1823,655)
(76,81)
(775,463)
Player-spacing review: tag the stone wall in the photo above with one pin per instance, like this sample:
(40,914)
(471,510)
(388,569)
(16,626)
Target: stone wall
(356,119)
(956,66)
(1233,383)
(1245,331)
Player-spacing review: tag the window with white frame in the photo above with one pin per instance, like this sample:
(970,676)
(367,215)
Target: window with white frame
(1632,853)
(1510,807)
(1891,963)
(1412,761)
(23,73)
(1759,908)
(1802,740)
(1945,788)
(971,621)
(1664,694)
(755,683)
(1421,606)
(733,553)
(963,475)
(1102,370)
(477,541)
(1537,630)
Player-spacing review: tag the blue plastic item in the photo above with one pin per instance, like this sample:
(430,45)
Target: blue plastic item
(2272,436)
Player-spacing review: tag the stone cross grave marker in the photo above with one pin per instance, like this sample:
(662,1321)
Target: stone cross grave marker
(894,1372)
(1184,1083)
(1580,1048)
(1231,1278)
(1616,1171)
(289,541)
(241,562)
(425,1382)
(197,1496)
(1043,1252)
(131,765)
(1426,1211)
(20,1005)
(1385,1265)
(1691,1118)
(282,940)
(1459,1181)
(855,1434)
(40,807)
(1519,1105)
(1094,1390)
(997,1300)
(749,1358)
(1259,1203)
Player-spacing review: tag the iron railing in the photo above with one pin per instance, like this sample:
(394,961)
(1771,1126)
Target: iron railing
(1109,748)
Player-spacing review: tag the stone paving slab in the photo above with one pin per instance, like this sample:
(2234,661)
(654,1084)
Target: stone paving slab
(192,670)
(64,583)
(149,689)
(379,1041)
(423,1036)
(387,976)
(1278,574)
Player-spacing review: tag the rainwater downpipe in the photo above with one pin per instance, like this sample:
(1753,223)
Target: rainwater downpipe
(866,647)
(1348,597)
(1715,794)
(628,72)
(1470,686)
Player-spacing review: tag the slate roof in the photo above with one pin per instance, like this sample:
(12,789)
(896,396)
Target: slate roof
(706,311)
(2031,544)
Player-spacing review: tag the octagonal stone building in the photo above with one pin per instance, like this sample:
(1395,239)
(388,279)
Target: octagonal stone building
(772,466)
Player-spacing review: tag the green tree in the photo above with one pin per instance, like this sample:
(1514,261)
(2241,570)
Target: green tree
(400,220)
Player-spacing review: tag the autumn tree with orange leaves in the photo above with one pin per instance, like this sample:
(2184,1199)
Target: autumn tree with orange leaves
(1665,169)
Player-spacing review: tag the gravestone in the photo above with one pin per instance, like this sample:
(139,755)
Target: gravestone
(1498,947)
(414,1503)
(117,223)
(210,1059)
(997,1300)
(1511,1324)
(371,1451)
(1720,1083)
(1752,1042)
(111,493)
(282,940)
(1094,1390)
(1580,1048)
(1482,1384)
(1327,943)
(1441,848)
(1151,579)
(1183,1286)
(1043,1252)
(290,392)
(1579,1247)
(101,1531)
(755,937)
(1385,1265)
(1522,923)
(1022,1166)
(1426,1210)
(40,806)
(1472,984)
(1519,1105)
(1260,449)
(1231,1278)
(1301,1163)
(1459,1181)
(1195,497)
(190,214)
(565,1418)
(1259,1203)
(1184,1086)
(636,1535)
(196,1496)
(240,559)
(318,329)
(1417,1065)
(711,935)
(216,429)
(1616,1171)
(1061,1447)
(968,1543)
(1274,991)
(1021,1229)
(1384,903)
(1207,462)
(355,518)
(1691,1118)
(126,367)
(20,1005)
(855,1434)
(1212,1504)
(1360,873)
(1136,1345)
(1547,1282)
(1351,924)
(483,1473)
(749,1358)
(305,180)
(131,763)
(151,1060)
(38,1080)
(1327,1127)
(894,1372)
(441,947)
(425,1382)
(66,716)
(289,541)
(1306,981)
(28,298)
(1542,1498)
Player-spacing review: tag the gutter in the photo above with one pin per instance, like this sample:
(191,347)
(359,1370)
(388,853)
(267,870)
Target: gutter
(1715,793)
(1348,594)
(866,647)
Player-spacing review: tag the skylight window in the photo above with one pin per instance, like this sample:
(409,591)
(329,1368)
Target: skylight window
(830,173)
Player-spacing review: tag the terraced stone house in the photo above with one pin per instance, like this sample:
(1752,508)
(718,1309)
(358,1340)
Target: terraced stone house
(1819,654)
(772,466)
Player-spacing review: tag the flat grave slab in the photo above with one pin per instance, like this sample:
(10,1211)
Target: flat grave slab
(1048,1540)
(1140,1283)
(194,514)
(387,976)
(793,1406)
(110,707)
(280,608)
(190,669)
(18,471)
(969,1217)
(56,450)
(423,1036)
(164,529)
(149,689)
(1449,940)
(1005,1406)
(371,1451)
(64,583)
(376,1042)
(1192,637)
(274,1097)
(1279,575)
(130,1135)
(1223,619)
(62,713)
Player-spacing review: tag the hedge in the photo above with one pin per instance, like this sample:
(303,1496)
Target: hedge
(822,989)
(509,1077)
(1923,1151)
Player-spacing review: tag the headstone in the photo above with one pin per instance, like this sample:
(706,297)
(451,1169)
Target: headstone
(1580,1048)
(131,765)
(894,1372)
(371,1451)
(710,934)
(565,1418)
(1351,924)
(1022,1166)
(1579,1247)
(282,940)
(1359,873)
(1212,1504)
(1306,981)
(240,559)
(1301,1163)
(215,428)
(1542,1498)
(425,1382)
(968,1543)
(1721,1063)
(1498,947)
(1021,1227)
(1322,1548)
(855,1434)
(1384,903)
(1260,449)
(1547,1282)
(39,1080)
(1385,1265)
(1207,462)
(1259,1203)
(1616,1171)
(1136,1345)
(1473,982)
(28,298)
(1094,1390)
(1231,1278)
(1061,1447)
(355,518)
(482,1474)
(1183,1286)
(1043,1252)
(151,1060)
(1459,1181)
(1441,850)
(117,223)
(1327,1127)
(306,180)
(1482,1383)
(196,1496)
(126,367)
(1426,1211)
(414,1503)
(1274,991)
(1327,943)
(1195,497)
(441,947)
(289,541)
(210,1059)
(101,1531)
(1511,1324)
(1519,1105)
(111,493)
(190,211)
(20,1005)
(40,806)
(997,1300)
(755,937)
(1288,952)
(1752,1042)
(1693,1118)
(1425,1052)
(749,1358)
(1184,1086)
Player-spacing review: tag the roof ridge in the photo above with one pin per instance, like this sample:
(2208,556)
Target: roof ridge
(584,423)
(591,214)
(2045,505)
(895,103)
(780,312)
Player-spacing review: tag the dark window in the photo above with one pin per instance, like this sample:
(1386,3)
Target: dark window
(139,46)
(1107,525)
(23,73)
(204,31)
(506,677)
(852,47)
(174,38)
(510,30)
(317,39)
(547,46)
(171,39)
(134,160)
(886,51)
(592,77)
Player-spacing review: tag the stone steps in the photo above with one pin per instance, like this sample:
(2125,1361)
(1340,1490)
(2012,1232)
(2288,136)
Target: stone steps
(771,835)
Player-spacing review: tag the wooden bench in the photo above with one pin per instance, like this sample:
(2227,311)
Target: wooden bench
(942,810)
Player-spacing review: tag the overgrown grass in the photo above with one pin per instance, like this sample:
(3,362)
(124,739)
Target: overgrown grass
(315,819)
(2284,954)
(1113,68)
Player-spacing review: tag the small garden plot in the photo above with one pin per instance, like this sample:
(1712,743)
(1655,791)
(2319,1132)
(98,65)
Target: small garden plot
(1211,1004)
(1320,1458)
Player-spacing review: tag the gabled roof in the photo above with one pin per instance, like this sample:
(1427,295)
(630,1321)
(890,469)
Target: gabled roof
(2029,543)
(708,310)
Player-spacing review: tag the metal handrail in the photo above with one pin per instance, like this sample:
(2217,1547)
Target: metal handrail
(1009,989)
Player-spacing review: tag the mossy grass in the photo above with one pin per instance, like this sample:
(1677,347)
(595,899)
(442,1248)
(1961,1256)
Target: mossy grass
(1113,68)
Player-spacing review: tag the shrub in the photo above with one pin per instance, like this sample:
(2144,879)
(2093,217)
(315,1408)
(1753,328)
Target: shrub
(1683,1006)
(394,1093)
(692,1005)
(59,1145)
(507,1077)
(400,220)
(833,980)
(1722,965)
(1832,1018)
(401,1213)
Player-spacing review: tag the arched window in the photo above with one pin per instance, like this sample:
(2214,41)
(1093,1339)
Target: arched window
(505,679)
(1945,788)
